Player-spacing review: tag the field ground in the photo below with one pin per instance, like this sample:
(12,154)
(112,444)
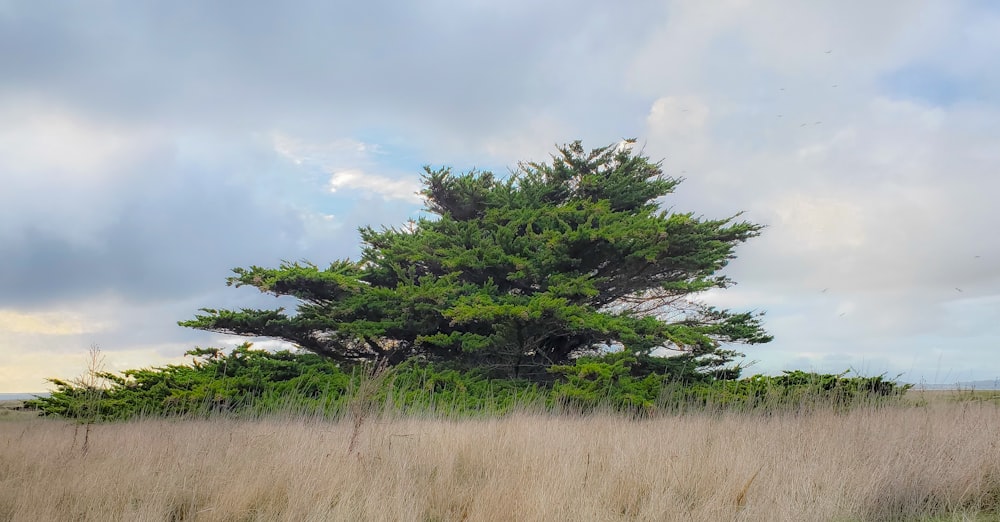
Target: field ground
(917,396)
(10,410)
(937,461)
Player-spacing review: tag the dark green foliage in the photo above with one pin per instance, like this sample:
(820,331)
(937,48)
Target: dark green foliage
(250,382)
(214,382)
(793,390)
(620,382)
(254,382)
(605,381)
(519,274)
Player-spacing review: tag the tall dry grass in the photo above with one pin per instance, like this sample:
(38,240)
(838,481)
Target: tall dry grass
(940,461)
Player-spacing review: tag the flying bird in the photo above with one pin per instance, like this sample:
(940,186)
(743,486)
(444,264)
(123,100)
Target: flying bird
(830,51)
(957,288)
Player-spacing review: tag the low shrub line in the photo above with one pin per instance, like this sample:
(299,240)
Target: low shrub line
(250,382)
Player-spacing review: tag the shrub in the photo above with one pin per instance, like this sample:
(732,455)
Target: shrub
(249,382)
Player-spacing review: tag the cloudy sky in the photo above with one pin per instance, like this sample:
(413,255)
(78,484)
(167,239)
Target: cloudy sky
(148,148)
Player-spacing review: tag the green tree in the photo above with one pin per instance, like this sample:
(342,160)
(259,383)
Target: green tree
(518,274)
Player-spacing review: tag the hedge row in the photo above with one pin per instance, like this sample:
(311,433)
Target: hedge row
(249,382)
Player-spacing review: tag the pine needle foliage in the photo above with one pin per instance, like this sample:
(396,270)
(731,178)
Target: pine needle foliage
(518,274)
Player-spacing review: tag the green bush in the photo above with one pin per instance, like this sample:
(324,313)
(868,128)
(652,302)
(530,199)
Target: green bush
(605,381)
(249,382)
(793,390)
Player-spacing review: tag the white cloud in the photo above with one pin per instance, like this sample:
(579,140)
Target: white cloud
(349,160)
(45,140)
(681,124)
(273,345)
(820,223)
(532,141)
(318,227)
(62,322)
(25,371)
(326,155)
(882,200)
(388,188)
(66,164)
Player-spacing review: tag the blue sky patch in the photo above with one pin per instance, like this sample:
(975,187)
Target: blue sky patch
(925,83)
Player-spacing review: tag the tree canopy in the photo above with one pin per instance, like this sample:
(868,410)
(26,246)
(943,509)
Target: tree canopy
(518,273)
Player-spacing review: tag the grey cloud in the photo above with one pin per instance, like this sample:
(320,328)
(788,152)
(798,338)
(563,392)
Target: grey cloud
(238,64)
(171,231)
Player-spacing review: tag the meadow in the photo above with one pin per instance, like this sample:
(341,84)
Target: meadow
(928,456)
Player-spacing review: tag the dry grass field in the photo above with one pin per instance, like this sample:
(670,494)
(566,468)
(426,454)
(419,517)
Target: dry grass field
(938,461)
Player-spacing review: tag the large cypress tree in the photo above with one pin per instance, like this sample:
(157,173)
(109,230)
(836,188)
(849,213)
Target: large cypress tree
(519,273)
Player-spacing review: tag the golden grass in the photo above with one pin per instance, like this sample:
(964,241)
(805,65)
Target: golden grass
(11,410)
(938,462)
(923,397)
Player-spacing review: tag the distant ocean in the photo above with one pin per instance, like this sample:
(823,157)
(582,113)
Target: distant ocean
(21,396)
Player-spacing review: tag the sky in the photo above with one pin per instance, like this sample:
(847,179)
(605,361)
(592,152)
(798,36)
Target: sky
(148,148)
